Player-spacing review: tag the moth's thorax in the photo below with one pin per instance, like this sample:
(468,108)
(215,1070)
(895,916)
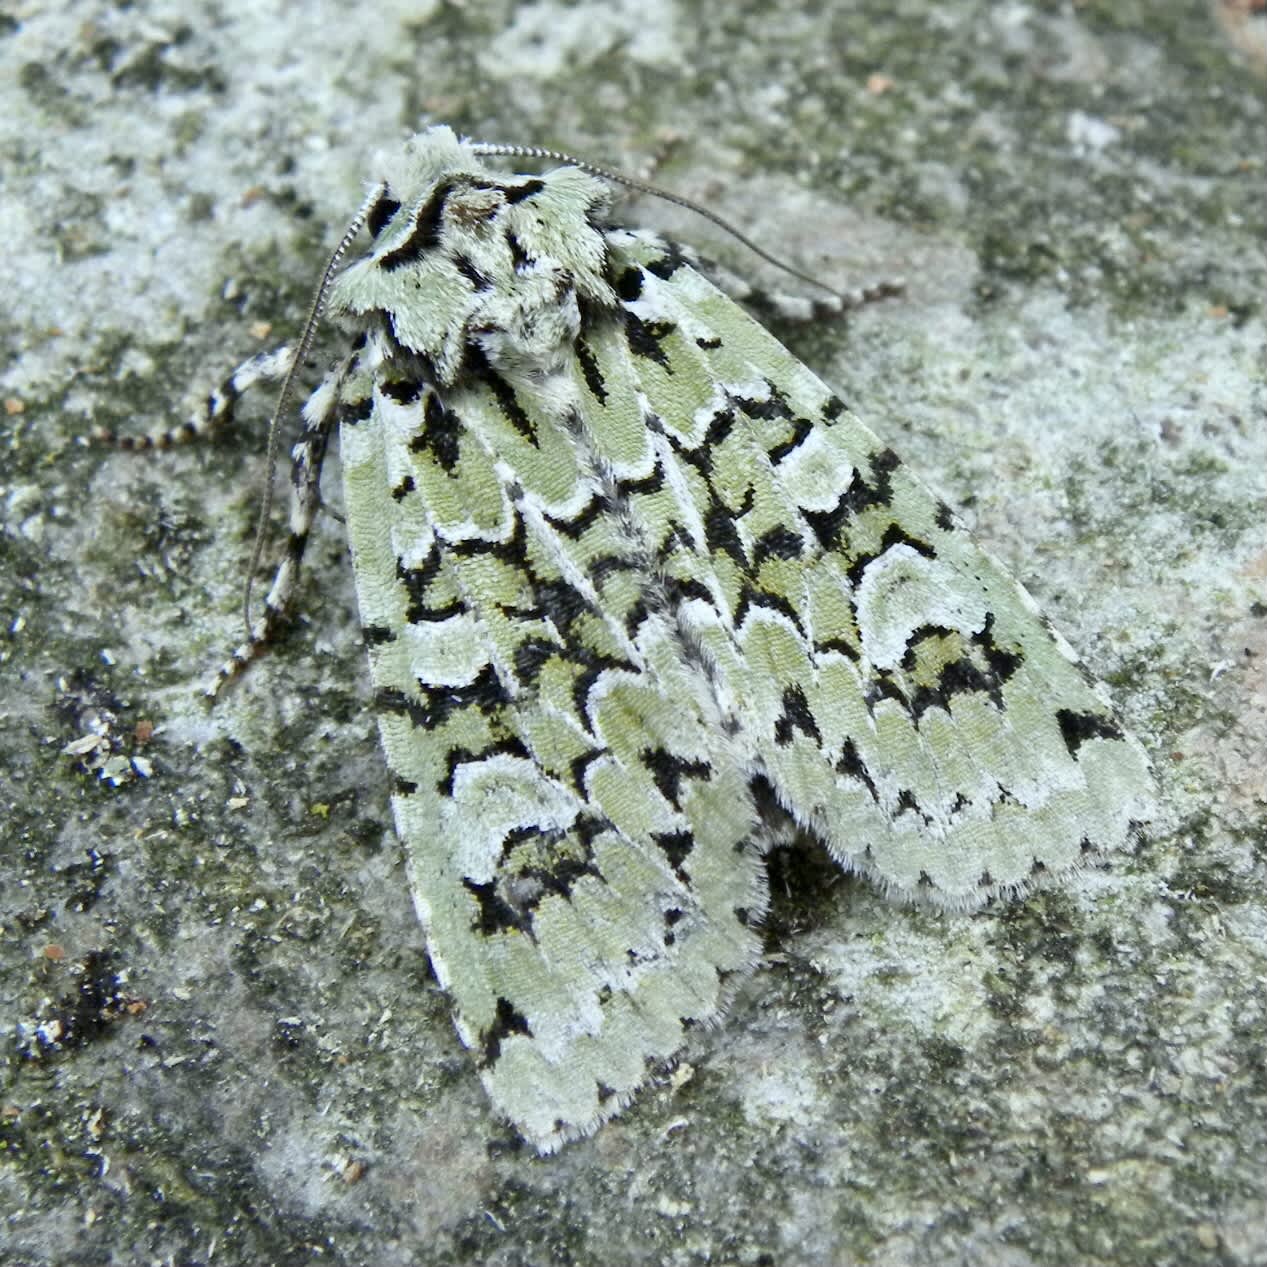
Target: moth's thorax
(466,259)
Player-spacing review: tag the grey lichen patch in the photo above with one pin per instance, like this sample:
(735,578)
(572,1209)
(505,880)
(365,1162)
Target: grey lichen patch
(1095,223)
(1062,146)
(39,83)
(159,62)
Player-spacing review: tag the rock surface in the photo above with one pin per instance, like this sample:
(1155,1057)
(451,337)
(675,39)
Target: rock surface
(223,1042)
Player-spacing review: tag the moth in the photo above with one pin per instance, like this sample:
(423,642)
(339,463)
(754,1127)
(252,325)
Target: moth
(642,596)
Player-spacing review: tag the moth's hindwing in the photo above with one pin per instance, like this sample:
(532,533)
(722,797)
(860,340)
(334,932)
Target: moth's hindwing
(627,569)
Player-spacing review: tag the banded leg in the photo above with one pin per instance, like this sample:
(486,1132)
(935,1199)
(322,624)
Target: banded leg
(307,458)
(785,306)
(217,410)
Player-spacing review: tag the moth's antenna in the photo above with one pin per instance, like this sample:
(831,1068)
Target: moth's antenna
(643,187)
(283,399)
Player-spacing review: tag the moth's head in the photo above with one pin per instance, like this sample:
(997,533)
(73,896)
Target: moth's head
(462,251)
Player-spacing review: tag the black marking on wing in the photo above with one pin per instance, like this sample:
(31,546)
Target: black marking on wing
(795,716)
(1077,728)
(520,193)
(590,371)
(605,565)
(959,677)
(504,394)
(353,411)
(577,525)
(856,498)
(833,407)
(579,768)
(964,674)
(701,455)
(1002,661)
(559,878)
(652,482)
(496,915)
(416,582)
(530,884)
(594,666)
(518,254)
(644,338)
(777,543)
(852,766)
(512,550)
(441,433)
(561,603)
(507,1022)
(455,758)
(668,262)
(918,635)
(402,390)
(881,687)
(908,803)
(377,635)
(894,535)
(439,703)
(802,429)
(628,286)
(676,537)
(668,771)
(750,597)
(773,406)
(681,589)
(676,846)
(589,827)
(531,656)
(721,528)
(839,645)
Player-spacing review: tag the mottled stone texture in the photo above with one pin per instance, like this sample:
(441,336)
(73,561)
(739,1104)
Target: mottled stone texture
(222,1040)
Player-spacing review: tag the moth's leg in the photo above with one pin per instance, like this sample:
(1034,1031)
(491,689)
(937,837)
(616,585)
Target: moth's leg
(307,457)
(785,306)
(217,409)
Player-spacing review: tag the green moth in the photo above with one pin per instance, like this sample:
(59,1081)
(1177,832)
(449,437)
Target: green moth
(641,595)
